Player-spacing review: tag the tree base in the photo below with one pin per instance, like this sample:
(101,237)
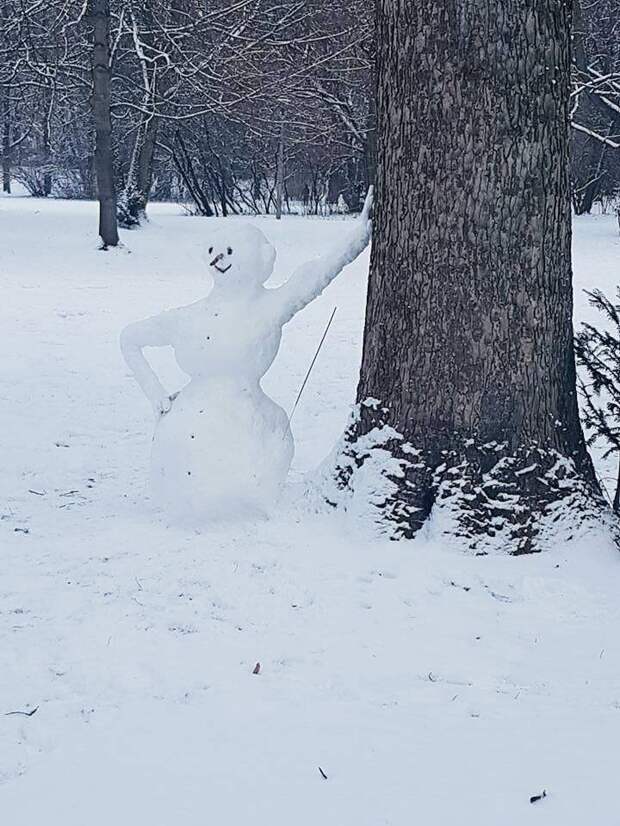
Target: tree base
(492,499)
(131,208)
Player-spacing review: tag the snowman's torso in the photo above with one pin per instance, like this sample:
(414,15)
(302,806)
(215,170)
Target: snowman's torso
(225,447)
(215,338)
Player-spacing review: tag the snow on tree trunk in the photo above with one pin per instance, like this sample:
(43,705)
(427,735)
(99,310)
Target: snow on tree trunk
(100,18)
(467,387)
(131,204)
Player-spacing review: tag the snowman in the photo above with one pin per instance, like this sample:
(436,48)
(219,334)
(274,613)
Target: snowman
(222,447)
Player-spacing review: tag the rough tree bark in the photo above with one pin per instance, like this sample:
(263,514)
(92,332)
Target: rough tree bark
(468,374)
(106,189)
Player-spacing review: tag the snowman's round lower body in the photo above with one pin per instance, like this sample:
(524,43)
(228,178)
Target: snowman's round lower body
(223,451)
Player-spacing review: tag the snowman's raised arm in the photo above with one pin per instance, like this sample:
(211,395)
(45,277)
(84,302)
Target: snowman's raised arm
(152,332)
(309,281)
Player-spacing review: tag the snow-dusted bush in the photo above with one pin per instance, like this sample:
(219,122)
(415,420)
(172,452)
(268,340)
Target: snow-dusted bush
(598,353)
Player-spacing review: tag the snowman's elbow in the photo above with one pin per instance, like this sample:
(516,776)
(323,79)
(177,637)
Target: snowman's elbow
(126,339)
(130,342)
(131,335)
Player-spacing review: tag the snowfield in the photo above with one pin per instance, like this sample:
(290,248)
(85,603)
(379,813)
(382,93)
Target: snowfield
(399,684)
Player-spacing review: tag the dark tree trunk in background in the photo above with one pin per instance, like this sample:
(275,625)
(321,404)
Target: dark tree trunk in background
(6,129)
(185,168)
(100,19)
(280,175)
(6,140)
(46,149)
(585,195)
(468,347)
(145,159)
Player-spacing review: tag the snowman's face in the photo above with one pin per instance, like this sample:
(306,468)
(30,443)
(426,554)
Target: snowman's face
(240,257)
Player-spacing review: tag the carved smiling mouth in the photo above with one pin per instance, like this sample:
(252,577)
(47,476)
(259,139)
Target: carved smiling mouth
(215,263)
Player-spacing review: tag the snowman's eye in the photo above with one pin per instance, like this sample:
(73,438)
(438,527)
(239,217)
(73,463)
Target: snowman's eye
(229,250)
(210,250)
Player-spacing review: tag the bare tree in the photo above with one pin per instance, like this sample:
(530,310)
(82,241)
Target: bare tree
(595,102)
(99,13)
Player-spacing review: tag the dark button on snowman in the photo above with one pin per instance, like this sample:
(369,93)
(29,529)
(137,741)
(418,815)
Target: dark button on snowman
(222,448)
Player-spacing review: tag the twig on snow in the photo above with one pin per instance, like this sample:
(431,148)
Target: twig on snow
(23,713)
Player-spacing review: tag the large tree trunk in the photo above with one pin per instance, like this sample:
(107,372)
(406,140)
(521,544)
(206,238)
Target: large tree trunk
(100,17)
(468,350)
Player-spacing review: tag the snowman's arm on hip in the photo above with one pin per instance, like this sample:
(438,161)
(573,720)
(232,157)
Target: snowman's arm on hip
(309,281)
(152,332)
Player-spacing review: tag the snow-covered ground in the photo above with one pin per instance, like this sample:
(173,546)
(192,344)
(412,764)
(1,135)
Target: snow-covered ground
(427,685)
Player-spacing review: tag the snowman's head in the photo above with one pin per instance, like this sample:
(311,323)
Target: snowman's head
(239,256)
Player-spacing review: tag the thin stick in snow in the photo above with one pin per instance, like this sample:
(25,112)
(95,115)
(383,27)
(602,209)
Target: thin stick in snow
(316,355)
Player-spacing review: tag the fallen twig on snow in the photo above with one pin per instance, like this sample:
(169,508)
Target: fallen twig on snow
(23,713)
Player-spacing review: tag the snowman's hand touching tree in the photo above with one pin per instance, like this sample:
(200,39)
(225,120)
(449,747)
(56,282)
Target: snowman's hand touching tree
(366,214)
(153,332)
(309,281)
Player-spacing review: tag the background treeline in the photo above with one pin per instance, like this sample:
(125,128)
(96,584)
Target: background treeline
(239,105)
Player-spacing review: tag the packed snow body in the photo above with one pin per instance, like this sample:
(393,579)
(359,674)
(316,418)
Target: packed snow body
(222,447)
